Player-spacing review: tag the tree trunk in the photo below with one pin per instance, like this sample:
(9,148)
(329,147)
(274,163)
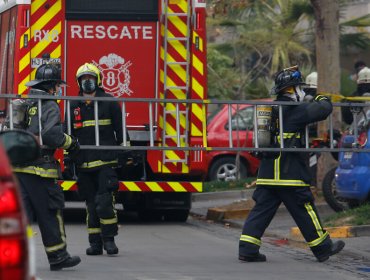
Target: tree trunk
(327,64)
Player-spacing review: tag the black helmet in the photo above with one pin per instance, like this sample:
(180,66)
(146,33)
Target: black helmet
(46,73)
(287,78)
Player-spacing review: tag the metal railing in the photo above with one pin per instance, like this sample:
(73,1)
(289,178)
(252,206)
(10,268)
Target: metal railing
(153,125)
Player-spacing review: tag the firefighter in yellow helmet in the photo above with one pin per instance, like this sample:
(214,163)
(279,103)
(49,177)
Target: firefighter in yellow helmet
(41,195)
(284,177)
(97,177)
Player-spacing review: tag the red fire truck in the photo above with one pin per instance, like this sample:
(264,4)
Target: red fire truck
(153,49)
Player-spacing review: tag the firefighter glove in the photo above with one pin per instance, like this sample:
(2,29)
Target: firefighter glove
(74,149)
(322,98)
(75,145)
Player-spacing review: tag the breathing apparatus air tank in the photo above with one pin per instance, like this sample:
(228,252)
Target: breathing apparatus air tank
(264,116)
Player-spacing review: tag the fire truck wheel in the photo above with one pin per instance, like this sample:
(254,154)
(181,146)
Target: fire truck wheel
(179,215)
(224,170)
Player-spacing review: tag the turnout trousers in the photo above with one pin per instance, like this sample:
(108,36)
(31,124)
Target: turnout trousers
(299,202)
(44,200)
(97,188)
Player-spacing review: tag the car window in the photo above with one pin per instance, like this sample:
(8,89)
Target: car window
(242,120)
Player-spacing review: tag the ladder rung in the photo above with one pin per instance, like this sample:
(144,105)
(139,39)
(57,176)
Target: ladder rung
(177,14)
(178,63)
(177,87)
(177,38)
(175,160)
(174,111)
(174,136)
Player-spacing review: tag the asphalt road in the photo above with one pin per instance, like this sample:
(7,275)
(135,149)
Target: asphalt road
(185,251)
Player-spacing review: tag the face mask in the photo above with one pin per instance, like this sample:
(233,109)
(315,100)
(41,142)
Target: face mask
(59,93)
(88,86)
(299,93)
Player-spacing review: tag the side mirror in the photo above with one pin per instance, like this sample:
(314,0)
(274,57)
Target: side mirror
(21,146)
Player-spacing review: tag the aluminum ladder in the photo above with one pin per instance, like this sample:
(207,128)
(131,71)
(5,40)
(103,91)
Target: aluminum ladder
(181,110)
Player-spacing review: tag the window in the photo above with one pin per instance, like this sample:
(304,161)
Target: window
(242,120)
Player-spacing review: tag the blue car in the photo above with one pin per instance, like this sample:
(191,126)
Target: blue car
(352,176)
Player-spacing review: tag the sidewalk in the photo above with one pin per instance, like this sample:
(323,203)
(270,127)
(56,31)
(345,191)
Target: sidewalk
(282,224)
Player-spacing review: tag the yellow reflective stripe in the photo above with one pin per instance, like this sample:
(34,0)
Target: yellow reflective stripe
(93,230)
(55,248)
(314,218)
(109,221)
(318,241)
(274,182)
(62,235)
(291,134)
(100,122)
(288,135)
(93,164)
(277,168)
(250,239)
(47,173)
(67,142)
(61,225)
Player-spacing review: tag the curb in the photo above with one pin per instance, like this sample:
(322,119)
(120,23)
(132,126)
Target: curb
(336,232)
(219,214)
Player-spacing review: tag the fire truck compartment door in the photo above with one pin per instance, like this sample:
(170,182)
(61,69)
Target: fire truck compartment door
(125,53)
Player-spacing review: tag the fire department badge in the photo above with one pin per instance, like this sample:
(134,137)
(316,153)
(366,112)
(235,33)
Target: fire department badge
(115,74)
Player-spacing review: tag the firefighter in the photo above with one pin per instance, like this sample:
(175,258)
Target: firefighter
(363,87)
(97,177)
(284,177)
(42,196)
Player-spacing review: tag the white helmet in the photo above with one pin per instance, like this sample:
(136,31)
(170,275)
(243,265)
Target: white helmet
(311,80)
(363,76)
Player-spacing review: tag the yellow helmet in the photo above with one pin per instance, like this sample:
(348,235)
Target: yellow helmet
(88,69)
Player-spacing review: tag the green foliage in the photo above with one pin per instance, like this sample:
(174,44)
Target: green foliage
(353,217)
(220,75)
(262,37)
(346,84)
(359,40)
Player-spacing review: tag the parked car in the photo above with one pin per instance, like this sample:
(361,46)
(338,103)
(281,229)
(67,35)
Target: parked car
(17,261)
(222,164)
(352,177)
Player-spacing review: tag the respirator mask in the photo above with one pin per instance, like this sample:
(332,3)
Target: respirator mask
(88,86)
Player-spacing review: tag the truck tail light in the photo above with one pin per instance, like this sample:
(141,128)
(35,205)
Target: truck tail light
(13,239)
(8,200)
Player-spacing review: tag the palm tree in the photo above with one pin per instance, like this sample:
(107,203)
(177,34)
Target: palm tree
(266,36)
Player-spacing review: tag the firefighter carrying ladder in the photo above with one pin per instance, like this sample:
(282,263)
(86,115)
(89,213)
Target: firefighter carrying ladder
(176,79)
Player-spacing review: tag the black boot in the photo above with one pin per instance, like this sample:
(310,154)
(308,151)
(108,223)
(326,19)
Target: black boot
(95,249)
(336,247)
(110,246)
(69,262)
(253,258)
